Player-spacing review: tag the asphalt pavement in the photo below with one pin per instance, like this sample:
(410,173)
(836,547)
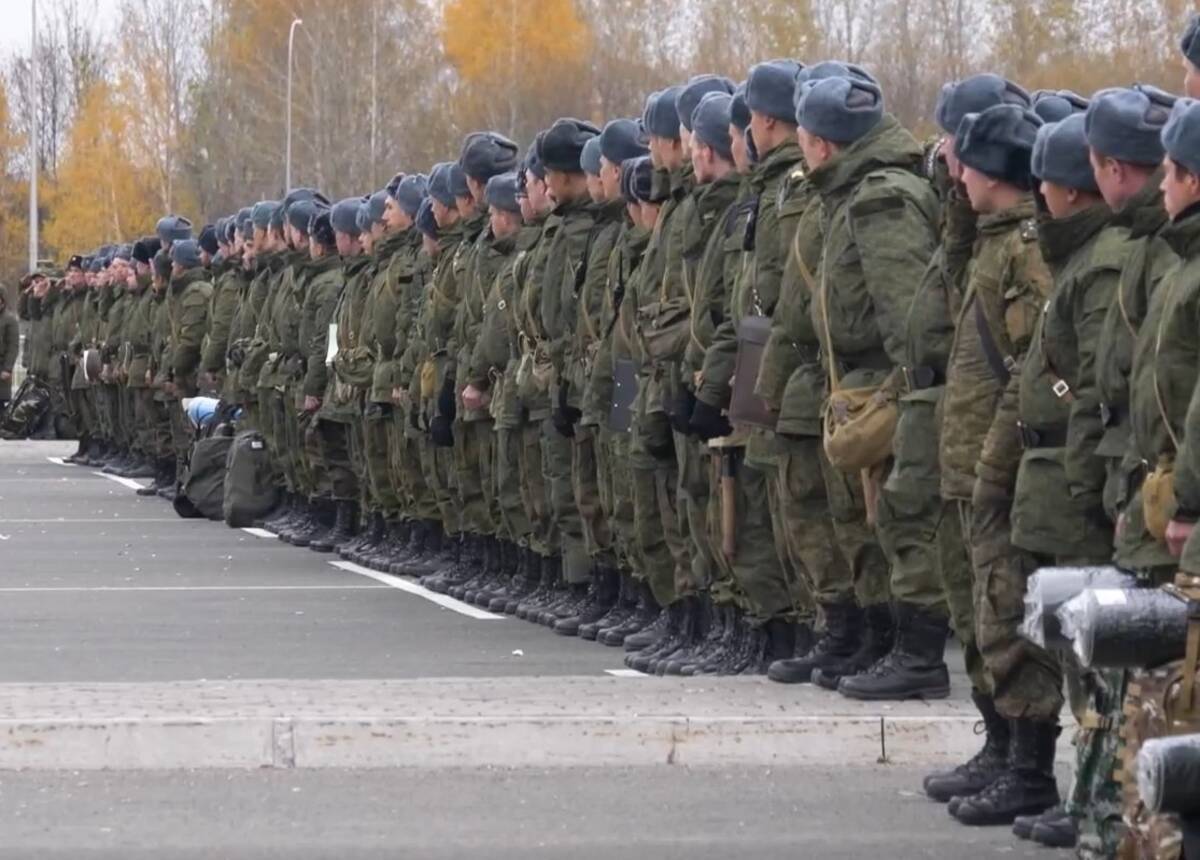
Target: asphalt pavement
(527,814)
(333,713)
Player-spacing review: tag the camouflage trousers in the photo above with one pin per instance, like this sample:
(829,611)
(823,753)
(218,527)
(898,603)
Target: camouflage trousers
(567,526)
(614,477)
(829,542)
(585,483)
(79,414)
(534,493)
(650,528)
(437,465)
(1026,681)
(408,476)
(473,453)
(331,442)
(275,407)
(754,577)
(515,524)
(379,490)
(693,493)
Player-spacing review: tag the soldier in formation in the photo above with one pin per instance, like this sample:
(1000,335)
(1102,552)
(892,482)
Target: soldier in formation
(755,382)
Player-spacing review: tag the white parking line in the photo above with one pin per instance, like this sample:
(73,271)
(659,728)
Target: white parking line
(420,591)
(36,589)
(625,673)
(121,520)
(260,533)
(124,482)
(58,461)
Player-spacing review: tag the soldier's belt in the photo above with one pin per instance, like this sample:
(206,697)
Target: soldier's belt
(1049,437)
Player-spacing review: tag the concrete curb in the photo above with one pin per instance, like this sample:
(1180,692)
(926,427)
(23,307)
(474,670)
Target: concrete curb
(513,722)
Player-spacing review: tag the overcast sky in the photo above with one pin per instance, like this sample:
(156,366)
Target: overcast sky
(15,17)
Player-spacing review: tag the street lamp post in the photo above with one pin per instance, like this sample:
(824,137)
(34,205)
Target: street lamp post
(287,177)
(33,144)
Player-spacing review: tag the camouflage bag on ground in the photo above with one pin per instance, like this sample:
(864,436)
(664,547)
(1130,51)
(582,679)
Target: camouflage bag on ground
(26,411)
(1158,702)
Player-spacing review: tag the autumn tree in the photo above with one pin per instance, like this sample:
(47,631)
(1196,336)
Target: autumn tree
(102,194)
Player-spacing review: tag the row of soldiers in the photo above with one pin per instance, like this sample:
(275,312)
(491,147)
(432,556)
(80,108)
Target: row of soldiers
(607,385)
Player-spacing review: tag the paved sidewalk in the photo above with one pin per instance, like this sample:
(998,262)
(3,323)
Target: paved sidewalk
(541,722)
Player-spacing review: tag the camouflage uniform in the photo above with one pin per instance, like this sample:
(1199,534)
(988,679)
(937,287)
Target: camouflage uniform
(980,453)
(187,312)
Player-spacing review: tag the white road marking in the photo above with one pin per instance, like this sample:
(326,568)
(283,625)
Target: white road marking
(262,533)
(124,482)
(121,520)
(36,589)
(625,673)
(420,591)
(58,461)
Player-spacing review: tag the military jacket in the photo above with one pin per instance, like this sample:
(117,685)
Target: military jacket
(352,367)
(757,288)
(1149,258)
(531,281)
(488,259)
(1058,391)
(880,223)
(1009,281)
(320,301)
(139,336)
(227,283)
(187,309)
(379,323)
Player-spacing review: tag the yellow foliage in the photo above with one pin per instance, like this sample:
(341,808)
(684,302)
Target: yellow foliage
(100,194)
(511,40)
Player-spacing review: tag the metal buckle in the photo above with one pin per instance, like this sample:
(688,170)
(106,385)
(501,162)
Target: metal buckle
(1060,389)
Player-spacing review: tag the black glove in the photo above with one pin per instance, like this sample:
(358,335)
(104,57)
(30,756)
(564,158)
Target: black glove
(565,417)
(442,432)
(708,422)
(447,403)
(681,411)
(565,420)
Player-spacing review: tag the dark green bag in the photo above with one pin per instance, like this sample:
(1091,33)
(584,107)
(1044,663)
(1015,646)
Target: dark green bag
(250,491)
(204,486)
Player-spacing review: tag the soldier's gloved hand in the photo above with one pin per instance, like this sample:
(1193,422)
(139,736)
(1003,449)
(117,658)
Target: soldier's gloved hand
(565,419)
(708,422)
(446,400)
(681,412)
(442,432)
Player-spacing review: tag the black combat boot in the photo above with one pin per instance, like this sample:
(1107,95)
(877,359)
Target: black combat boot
(302,522)
(322,515)
(141,466)
(489,576)
(164,474)
(514,578)
(655,618)
(368,537)
(984,767)
(285,512)
(528,608)
(875,644)
(98,453)
(395,540)
(606,583)
(79,458)
(645,614)
(666,637)
(914,669)
(1054,828)
(445,568)
(436,550)
(118,462)
(413,548)
(622,607)
(679,634)
(342,531)
(839,642)
(690,653)
(781,641)
(1026,787)
(727,640)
